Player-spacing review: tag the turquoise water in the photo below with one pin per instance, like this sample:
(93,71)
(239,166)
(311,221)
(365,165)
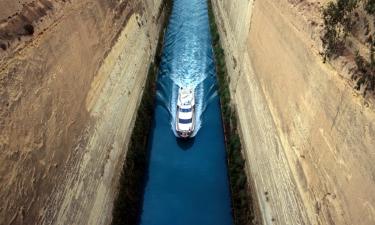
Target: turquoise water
(187,181)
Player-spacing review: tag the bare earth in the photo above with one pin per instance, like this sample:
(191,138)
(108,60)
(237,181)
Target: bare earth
(72,73)
(309,137)
(68,93)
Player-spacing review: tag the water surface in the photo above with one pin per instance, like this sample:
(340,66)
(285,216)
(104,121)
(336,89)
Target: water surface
(187,180)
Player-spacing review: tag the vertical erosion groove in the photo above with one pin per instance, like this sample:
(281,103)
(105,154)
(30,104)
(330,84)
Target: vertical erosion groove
(128,203)
(243,212)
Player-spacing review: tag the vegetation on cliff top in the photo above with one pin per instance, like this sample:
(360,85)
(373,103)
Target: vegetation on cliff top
(241,196)
(345,19)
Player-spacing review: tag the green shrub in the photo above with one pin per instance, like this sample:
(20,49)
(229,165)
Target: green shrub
(370,7)
(337,24)
(365,73)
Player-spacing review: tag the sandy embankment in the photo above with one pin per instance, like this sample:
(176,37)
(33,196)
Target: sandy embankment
(68,94)
(309,137)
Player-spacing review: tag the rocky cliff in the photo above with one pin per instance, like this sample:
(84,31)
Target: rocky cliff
(71,76)
(309,137)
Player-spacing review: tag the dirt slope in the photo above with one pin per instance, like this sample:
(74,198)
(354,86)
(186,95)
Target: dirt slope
(309,137)
(71,73)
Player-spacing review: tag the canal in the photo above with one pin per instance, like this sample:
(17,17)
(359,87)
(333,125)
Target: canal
(187,181)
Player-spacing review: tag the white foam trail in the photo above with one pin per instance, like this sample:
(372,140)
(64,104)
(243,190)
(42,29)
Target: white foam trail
(173,108)
(187,65)
(199,107)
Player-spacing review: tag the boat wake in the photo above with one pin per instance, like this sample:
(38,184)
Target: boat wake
(180,189)
(167,97)
(187,62)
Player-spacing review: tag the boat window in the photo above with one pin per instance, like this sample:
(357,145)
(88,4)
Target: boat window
(185,110)
(185,121)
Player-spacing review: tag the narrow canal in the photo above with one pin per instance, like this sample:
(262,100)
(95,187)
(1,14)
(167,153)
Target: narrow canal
(187,181)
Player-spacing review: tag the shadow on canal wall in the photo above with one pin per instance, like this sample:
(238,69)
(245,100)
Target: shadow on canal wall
(128,204)
(242,200)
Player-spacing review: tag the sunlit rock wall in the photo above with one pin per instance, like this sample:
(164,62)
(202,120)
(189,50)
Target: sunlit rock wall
(309,138)
(71,77)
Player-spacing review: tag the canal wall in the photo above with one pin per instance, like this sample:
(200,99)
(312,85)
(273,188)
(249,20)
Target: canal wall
(72,74)
(308,137)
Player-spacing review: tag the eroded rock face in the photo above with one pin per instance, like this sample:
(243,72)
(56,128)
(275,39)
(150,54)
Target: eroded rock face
(71,75)
(309,137)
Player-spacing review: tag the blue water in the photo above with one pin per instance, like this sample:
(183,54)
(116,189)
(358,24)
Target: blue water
(187,180)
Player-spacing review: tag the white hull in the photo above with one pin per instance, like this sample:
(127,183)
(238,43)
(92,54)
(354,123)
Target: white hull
(185,113)
(185,133)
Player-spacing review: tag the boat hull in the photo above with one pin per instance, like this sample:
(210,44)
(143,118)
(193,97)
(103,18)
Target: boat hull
(185,133)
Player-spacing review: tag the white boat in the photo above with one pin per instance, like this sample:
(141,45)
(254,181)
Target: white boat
(185,115)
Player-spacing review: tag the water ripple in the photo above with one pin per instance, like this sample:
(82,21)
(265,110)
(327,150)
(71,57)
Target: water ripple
(187,59)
